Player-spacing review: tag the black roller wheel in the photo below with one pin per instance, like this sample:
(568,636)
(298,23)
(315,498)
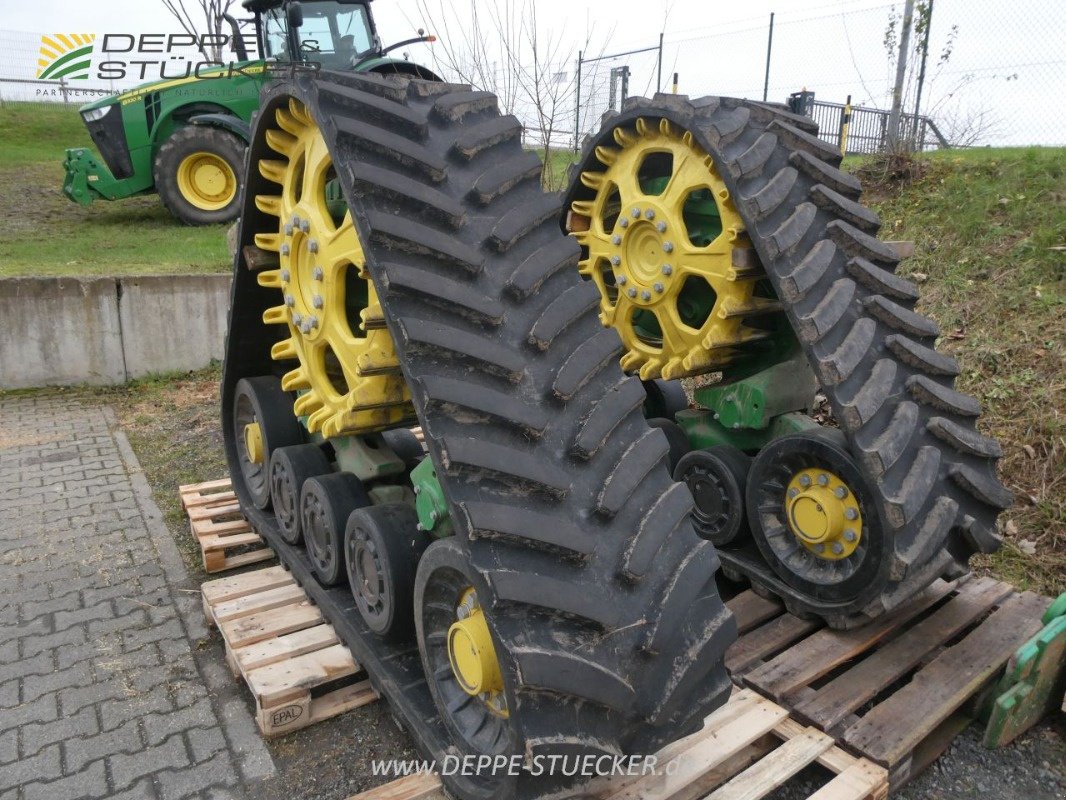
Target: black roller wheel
(675,437)
(289,468)
(263,421)
(326,502)
(813,517)
(717,477)
(665,398)
(382,547)
(461,657)
(406,446)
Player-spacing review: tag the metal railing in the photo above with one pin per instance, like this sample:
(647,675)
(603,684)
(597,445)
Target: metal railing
(867,132)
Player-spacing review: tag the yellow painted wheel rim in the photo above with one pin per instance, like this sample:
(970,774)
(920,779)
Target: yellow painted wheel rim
(207,181)
(253,443)
(473,656)
(642,261)
(348,377)
(823,514)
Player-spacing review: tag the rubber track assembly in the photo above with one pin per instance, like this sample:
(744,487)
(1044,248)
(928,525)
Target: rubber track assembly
(601,599)
(912,434)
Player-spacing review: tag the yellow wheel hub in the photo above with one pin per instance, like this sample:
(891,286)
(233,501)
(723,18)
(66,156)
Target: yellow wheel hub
(823,513)
(643,260)
(207,181)
(473,657)
(348,375)
(253,442)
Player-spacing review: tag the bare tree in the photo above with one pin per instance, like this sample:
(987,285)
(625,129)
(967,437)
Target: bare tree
(213,12)
(509,52)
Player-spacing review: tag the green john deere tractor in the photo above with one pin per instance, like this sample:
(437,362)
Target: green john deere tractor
(534,575)
(185,138)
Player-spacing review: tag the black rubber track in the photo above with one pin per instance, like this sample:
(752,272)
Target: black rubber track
(892,393)
(602,596)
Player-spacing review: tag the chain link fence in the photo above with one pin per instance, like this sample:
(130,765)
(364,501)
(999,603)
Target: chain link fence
(994,71)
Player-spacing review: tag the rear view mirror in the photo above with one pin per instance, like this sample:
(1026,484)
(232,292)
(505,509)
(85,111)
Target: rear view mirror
(294,15)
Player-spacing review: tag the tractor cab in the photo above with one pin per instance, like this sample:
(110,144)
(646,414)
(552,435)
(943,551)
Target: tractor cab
(184,137)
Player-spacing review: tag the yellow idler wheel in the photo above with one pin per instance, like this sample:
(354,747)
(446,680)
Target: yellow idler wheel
(473,657)
(253,442)
(823,514)
(677,301)
(348,376)
(206,181)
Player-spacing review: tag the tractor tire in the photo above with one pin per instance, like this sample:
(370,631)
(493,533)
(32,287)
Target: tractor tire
(199,173)
(932,476)
(600,598)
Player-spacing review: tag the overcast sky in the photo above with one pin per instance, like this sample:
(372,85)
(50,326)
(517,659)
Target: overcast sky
(1007,58)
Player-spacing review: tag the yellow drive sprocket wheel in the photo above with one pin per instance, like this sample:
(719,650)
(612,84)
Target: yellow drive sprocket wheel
(348,375)
(679,302)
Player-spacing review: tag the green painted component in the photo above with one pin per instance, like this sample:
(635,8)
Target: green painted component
(366,457)
(151,112)
(430,504)
(87,178)
(754,402)
(1034,682)
(704,431)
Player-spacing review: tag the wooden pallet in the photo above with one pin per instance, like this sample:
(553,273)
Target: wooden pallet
(746,749)
(896,691)
(277,641)
(226,539)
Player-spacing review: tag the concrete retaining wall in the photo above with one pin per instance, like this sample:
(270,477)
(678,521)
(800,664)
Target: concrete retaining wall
(62,331)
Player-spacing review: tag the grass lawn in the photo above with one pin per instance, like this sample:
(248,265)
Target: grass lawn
(46,234)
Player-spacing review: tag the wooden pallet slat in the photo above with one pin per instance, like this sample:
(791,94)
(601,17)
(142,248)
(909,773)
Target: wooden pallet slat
(774,770)
(894,728)
(832,703)
(277,642)
(225,538)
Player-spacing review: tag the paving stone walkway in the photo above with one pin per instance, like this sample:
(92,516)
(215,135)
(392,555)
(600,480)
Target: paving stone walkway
(100,692)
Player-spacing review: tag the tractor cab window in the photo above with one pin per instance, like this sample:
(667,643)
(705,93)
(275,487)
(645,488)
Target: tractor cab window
(334,34)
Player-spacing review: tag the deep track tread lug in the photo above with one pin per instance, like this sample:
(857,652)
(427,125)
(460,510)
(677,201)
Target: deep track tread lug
(449,342)
(730,124)
(506,463)
(555,593)
(503,177)
(378,109)
(829,311)
(402,234)
(559,256)
(486,401)
(803,140)
(480,137)
(963,440)
(929,392)
(752,160)
(792,230)
(920,357)
(519,221)
(445,291)
(404,153)
(982,486)
(682,592)
(900,318)
(496,520)
(641,458)
(658,524)
(856,213)
(588,358)
(844,183)
(881,280)
(855,242)
(840,365)
(874,392)
(883,452)
(433,202)
(796,284)
(615,405)
(774,193)
(564,310)
(915,487)
(453,106)
(571,674)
